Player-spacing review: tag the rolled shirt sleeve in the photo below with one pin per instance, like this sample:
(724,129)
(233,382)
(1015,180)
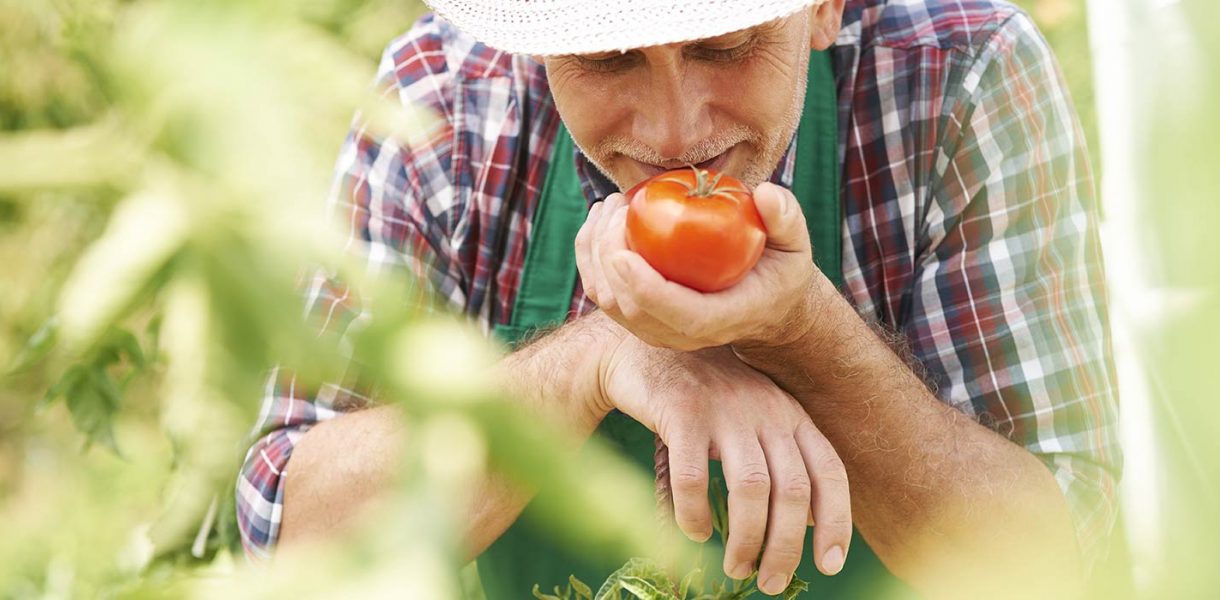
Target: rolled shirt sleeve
(1009,301)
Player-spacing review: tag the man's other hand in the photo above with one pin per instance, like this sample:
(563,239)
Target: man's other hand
(778,467)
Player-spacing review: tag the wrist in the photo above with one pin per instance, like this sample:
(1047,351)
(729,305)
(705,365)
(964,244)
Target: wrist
(806,325)
(611,337)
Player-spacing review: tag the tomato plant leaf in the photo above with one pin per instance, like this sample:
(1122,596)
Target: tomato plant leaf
(581,588)
(644,589)
(540,595)
(641,577)
(692,580)
(795,587)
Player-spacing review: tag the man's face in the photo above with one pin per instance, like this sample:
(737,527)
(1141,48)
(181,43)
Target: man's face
(730,103)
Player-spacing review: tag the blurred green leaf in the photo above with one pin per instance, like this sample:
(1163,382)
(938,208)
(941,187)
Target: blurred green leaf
(92,406)
(66,384)
(37,347)
(147,231)
(92,156)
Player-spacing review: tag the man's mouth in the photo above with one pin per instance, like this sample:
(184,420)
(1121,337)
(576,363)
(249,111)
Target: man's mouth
(716,163)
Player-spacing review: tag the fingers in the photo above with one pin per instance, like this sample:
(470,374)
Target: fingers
(786,524)
(605,294)
(669,304)
(612,242)
(645,293)
(584,251)
(831,499)
(749,484)
(688,479)
(640,299)
(783,218)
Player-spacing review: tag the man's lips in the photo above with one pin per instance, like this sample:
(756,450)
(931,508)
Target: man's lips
(716,163)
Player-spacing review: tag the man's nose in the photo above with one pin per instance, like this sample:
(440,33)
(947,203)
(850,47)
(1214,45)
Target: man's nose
(673,113)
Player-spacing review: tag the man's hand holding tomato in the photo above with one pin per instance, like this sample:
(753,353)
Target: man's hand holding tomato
(775,303)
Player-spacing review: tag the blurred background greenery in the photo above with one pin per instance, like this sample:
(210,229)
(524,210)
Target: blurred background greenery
(160,161)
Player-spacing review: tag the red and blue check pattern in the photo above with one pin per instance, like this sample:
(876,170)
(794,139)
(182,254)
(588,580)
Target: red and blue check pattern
(971,226)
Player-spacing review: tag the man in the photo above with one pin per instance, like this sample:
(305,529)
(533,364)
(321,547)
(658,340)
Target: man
(931,143)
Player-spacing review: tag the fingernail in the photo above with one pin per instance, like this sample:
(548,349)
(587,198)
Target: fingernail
(776,584)
(742,571)
(832,561)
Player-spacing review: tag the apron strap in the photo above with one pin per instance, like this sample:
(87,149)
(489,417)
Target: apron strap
(548,278)
(816,181)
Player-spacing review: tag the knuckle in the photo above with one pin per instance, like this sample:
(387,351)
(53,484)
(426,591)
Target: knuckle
(795,489)
(806,425)
(754,480)
(608,304)
(629,310)
(746,540)
(839,521)
(691,328)
(788,555)
(689,478)
(830,467)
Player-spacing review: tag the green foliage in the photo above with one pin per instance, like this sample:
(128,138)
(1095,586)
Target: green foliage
(163,171)
(1177,339)
(89,387)
(643,578)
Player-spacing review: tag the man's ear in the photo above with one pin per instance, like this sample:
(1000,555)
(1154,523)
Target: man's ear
(826,20)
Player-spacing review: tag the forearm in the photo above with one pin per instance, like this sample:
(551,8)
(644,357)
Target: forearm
(340,464)
(949,506)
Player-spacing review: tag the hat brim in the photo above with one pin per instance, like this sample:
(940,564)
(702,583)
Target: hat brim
(555,27)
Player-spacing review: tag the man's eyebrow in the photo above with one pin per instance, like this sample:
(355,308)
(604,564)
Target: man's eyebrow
(750,31)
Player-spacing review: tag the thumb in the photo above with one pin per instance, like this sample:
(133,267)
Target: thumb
(783,218)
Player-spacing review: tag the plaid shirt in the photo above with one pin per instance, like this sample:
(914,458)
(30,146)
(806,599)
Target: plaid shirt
(970,225)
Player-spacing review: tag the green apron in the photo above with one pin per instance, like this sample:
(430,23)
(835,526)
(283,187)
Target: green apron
(524,555)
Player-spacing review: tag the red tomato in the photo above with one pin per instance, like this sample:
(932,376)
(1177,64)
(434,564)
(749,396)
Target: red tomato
(696,227)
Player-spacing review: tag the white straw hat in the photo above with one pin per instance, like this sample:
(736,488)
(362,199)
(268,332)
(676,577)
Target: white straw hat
(549,27)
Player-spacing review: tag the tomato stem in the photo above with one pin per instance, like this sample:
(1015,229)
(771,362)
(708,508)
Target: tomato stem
(707,189)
